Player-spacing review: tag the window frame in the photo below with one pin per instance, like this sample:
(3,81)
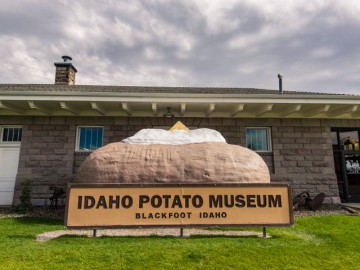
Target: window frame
(77,144)
(269,141)
(10,143)
(338,130)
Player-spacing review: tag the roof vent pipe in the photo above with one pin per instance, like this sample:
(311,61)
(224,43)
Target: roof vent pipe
(280,84)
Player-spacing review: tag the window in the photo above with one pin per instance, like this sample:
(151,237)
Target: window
(345,138)
(11,134)
(89,138)
(258,139)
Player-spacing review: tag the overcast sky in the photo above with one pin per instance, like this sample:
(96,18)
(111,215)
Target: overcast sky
(222,43)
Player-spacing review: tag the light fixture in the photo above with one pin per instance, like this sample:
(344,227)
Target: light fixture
(168,114)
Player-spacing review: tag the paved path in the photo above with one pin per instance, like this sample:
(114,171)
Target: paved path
(144,232)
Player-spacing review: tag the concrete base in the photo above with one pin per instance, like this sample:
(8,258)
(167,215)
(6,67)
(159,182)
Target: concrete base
(352,205)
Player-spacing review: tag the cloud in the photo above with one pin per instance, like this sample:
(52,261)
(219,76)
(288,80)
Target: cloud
(185,43)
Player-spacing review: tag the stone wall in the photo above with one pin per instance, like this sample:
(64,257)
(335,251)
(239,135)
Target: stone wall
(46,156)
(303,157)
(302,151)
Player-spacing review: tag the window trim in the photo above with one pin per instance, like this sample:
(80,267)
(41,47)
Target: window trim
(77,143)
(269,141)
(17,143)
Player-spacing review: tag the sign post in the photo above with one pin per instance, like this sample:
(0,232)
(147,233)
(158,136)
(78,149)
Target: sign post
(164,205)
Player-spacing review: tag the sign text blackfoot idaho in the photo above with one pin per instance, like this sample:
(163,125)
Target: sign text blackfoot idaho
(111,205)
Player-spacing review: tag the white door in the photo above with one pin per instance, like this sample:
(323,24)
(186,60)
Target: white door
(9,162)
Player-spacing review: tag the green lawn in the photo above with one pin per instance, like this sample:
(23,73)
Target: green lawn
(320,242)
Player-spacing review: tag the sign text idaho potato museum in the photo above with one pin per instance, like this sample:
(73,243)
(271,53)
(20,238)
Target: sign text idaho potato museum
(103,206)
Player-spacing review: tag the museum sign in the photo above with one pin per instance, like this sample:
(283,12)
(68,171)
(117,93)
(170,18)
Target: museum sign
(125,205)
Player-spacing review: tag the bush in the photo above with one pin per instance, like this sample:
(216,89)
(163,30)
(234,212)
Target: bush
(25,204)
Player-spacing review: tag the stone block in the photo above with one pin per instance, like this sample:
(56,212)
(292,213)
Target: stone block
(45,163)
(315,158)
(312,146)
(215,121)
(335,200)
(60,151)
(280,171)
(229,122)
(26,133)
(37,157)
(317,140)
(303,163)
(234,128)
(311,135)
(329,159)
(41,120)
(28,164)
(39,133)
(165,122)
(319,152)
(119,121)
(322,188)
(287,140)
(50,139)
(314,170)
(327,147)
(47,151)
(285,129)
(292,146)
(295,170)
(277,146)
(329,170)
(290,151)
(289,164)
(25,171)
(49,127)
(69,145)
(54,157)
(311,122)
(56,133)
(59,139)
(68,157)
(35,127)
(302,140)
(60,127)
(33,151)
(290,122)
(57,120)
(135,121)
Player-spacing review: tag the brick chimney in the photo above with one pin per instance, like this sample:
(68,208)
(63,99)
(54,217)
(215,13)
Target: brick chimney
(65,71)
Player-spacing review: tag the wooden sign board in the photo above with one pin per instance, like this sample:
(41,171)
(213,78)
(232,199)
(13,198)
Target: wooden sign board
(116,206)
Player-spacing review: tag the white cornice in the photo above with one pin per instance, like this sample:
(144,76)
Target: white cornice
(190,105)
(182,98)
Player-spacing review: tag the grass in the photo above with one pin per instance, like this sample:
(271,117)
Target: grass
(318,242)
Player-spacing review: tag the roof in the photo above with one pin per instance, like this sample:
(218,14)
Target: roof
(98,100)
(147,89)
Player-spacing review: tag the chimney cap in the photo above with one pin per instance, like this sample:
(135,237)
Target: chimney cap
(66,58)
(280,76)
(66,63)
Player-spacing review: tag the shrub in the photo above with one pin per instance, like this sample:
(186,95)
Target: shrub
(25,204)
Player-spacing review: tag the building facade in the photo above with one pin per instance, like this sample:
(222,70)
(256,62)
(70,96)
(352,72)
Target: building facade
(309,140)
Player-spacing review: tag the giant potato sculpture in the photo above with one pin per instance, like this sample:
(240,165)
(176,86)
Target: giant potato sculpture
(210,161)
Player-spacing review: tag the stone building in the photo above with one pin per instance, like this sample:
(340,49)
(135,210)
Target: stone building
(310,140)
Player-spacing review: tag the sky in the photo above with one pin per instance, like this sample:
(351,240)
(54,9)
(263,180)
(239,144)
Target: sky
(314,44)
